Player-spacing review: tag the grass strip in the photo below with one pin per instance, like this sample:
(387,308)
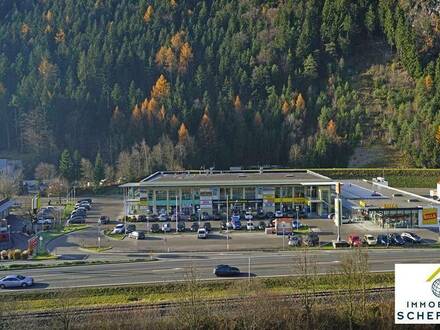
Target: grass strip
(177,291)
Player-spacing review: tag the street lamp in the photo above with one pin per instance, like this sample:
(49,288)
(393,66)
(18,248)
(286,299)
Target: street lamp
(41,242)
(227,219)
(9,233)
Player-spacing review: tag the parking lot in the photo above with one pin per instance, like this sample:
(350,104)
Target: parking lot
(218,240)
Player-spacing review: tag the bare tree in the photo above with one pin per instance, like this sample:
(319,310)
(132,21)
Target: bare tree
(45,171)
(9,184)
(87,170)
(58,187)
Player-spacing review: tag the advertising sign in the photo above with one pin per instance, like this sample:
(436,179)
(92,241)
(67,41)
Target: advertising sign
(429,216)
(269,199)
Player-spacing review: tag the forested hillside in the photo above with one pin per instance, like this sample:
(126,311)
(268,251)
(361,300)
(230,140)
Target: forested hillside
(172,84)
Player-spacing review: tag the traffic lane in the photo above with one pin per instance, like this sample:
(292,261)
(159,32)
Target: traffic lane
(171,270)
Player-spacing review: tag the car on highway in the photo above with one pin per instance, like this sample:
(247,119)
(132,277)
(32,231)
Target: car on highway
(119,229)
(16,281)
(383,240)
(104,220)
(155,228)
(226,270)
(202,233)
(396,239)
(354,240)
(166,227)
(136,235)
(411,237)
(312,239)
(194,227)
(250,225)
(370,240)
(295,240)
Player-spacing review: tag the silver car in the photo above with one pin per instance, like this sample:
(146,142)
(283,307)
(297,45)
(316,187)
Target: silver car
(16,281)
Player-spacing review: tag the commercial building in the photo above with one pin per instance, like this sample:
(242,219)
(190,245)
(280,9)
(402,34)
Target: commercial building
(213,191)
(388,207)
(5,206)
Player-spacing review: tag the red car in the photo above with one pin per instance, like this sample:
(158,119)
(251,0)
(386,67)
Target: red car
(354,240)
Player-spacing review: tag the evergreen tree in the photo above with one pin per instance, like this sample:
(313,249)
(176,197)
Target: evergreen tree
(99,169)
(66,166)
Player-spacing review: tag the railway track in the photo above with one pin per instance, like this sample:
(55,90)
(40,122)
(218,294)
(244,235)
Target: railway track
(166,307)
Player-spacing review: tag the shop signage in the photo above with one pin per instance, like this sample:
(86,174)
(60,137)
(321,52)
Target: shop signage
(429,216)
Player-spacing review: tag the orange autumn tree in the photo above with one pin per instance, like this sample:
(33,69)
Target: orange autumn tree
(300,104)
(331,128)
(437,135)
(428,82)
(237,103)
(176,55)
(182,133)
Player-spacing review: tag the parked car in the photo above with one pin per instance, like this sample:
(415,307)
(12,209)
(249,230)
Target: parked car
(119,229)
(104,220)
(262,225)
(354,240)
(16,281)
(137,235)
(226,270)
(163,217)
(270,215)
(248,216)
(202,233)
(396,239)
(84,205)
(296,224)
(141,218)
(311,239)
(383,240)
(207,226)
(331,216)
(250,225)
(88,200)
(411,237)
(45,221)
(278,214)
(181,226)
(75,221)
(295,240)
(223,225)
(194,227)
(345,220)
(166,227)
(155,228)
(370,240)
(217,216)
(235,222)
(130,228)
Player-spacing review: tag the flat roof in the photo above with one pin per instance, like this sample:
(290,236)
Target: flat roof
(354,191)
(233,178)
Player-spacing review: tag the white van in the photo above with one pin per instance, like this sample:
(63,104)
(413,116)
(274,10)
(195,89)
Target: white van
(202,233)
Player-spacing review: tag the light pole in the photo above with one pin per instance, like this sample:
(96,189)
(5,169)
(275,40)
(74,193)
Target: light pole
(41,242)
(297,217)
(99,235)
(9,233)
(227,219)
(177,221)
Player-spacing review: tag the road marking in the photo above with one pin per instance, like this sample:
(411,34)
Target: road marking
(165,270)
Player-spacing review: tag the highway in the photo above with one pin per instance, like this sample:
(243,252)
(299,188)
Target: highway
(176,267)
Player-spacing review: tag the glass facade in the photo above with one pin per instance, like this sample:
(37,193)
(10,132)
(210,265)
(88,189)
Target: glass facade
(395,218)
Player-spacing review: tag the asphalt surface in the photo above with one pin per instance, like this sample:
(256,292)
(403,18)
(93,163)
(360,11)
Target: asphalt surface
(177,267)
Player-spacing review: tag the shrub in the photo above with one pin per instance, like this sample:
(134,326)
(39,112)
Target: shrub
(25,254)
(10,254)
(4,255)
(17,254)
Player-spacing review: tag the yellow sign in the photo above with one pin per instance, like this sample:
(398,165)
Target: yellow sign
(429,216)
(390,206)
(362,204)
(295,200)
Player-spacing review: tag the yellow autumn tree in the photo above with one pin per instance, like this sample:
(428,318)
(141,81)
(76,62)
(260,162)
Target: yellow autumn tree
(152,106)
(165,58)
(285,108)
(186,55)
(237,103)
(162,113)
(144,106)
(136,114)
(24,29)
(300,104)
(148,13)
(428,82)
(173,3)
(161,88)
(60,36)
(46,69)
(437,135)
(182,133)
